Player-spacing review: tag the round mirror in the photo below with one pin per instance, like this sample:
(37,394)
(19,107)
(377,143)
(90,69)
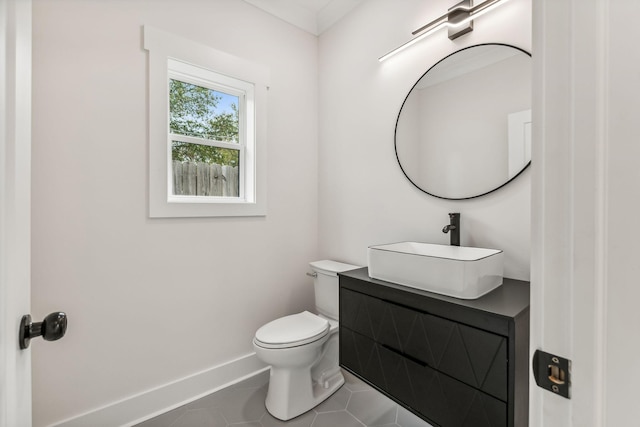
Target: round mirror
(464,130)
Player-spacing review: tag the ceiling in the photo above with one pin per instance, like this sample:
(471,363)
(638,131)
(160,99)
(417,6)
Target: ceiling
(313,16)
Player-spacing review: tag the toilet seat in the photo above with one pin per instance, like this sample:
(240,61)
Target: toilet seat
(292,331)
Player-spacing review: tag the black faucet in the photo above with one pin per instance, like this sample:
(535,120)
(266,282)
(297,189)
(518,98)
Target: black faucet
(454,228)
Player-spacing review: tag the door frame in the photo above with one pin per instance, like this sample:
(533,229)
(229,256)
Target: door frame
(584,265)
(15,209)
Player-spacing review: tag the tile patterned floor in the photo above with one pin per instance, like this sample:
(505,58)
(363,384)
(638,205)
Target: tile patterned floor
(356,404)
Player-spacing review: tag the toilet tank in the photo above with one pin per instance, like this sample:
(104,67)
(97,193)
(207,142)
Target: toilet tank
(325,283)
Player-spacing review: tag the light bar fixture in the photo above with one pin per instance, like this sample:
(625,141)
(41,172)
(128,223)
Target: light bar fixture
(459,21)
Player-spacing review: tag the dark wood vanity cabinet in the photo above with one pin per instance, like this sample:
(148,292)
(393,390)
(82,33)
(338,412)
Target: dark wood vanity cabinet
(452,362)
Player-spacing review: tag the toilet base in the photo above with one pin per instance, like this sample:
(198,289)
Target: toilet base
(292,392)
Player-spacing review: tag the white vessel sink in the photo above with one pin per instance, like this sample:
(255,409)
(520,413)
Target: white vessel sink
(455,271)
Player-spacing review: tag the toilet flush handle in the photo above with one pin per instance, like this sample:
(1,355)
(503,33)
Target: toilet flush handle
(312,274)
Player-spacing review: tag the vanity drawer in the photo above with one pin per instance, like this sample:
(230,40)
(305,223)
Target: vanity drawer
(474,356)
(439,398)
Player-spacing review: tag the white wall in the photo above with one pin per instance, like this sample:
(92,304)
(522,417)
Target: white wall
(364,197)
(151,301)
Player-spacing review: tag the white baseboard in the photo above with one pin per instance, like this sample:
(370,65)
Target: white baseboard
(135,409)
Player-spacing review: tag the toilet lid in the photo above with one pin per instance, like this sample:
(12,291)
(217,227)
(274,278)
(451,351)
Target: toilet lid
(294,330)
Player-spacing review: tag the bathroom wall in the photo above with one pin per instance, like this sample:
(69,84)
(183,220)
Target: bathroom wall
(153,301)
(364,198)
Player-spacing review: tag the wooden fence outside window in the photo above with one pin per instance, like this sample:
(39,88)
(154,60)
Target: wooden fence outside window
(204,179)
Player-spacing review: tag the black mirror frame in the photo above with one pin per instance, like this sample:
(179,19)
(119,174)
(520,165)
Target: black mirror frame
(395,133)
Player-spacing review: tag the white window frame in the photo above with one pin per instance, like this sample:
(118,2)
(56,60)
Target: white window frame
(173,57)
(246,139)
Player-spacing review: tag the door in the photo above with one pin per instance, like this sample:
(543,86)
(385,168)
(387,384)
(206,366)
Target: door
(585,232)
(15,202)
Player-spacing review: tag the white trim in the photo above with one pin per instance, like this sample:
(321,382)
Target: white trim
(314,19)
(601,205)
(570,217)
(151,403)
(290,11)
(163,47)
(15,209)
(246,143)
(201,141)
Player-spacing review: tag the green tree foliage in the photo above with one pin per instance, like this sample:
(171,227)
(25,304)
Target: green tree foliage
(193,112)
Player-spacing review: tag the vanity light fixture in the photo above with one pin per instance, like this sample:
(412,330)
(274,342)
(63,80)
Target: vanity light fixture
(459,21)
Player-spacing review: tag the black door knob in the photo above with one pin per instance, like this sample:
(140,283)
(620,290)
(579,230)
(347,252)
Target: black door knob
(52,328)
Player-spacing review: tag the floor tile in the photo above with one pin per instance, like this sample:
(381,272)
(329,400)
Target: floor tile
(336,402)
(335,419)
(198,417)
(407,418)
(244,405)
(304,420)
(372,408)
(166,419)
(356,404)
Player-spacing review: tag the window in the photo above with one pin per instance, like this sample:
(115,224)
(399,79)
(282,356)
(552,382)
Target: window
(207,126)
(210,134)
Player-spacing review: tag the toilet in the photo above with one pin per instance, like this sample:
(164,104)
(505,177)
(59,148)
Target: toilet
(302,349)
